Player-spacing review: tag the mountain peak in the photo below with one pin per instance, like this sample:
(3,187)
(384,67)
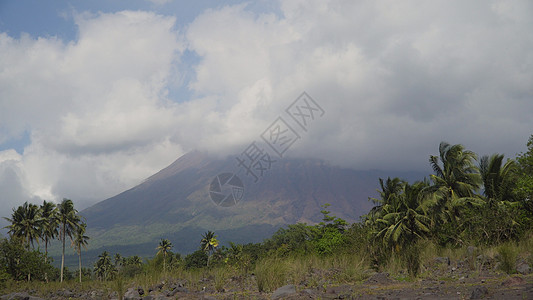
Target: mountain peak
(192,159)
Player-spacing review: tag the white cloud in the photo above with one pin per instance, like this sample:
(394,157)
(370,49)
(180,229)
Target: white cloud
(395,78)
(96,107)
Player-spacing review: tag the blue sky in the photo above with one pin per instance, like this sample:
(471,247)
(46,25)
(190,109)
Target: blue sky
(54,18)
(96,96)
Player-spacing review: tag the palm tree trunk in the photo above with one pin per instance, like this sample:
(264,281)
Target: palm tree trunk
(79,256)
(164,259)
(46,257)
(45,249)
(63,253)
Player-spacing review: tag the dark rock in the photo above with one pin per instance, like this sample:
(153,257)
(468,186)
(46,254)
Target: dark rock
(479,292)
(113,295)
(140,291)
(442,260)
(523,268)
(284,291)
(177,290)
(308,292)
(99,294)
(20,296)
(379,278)
(155,297)
(132,294)
(65,293)
(513,281)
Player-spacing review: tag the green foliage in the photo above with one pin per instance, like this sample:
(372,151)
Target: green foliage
(31,223)
(525,159)
(26,223)
(332,222)
(163,248)
(238,258)
(195,260)
(330,241)
(19,263)
(209,243)
(103,268)
(296,238)
(524,185)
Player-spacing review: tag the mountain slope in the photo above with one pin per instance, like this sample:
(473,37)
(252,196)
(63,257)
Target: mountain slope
(175,204)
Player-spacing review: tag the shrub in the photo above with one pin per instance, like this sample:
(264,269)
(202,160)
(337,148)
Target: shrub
(508,254)
(330,242)
(411,256)
(197,259)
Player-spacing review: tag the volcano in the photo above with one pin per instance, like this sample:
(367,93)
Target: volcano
(197,193)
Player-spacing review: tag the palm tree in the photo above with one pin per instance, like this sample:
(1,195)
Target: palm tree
(499,180)
(119,260)
(408,222)
(402,222)
(103,266)
(80,240)
(26,223)
(134,261)
(68,221)
(208,244)
(497,177)
(164,247)
(389,193)
(389,190)
(454,182)
(49,224)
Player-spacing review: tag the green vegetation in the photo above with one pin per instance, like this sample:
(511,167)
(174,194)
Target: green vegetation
(208,244)
(30,224)
(163,248)
(477,209)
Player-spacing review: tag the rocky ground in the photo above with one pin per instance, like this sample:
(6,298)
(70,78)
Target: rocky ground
(440,279)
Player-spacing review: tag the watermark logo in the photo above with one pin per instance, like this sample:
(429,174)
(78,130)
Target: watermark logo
(304,110)
(227,189)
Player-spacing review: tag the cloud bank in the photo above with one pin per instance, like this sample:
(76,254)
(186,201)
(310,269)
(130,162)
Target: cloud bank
(394,79)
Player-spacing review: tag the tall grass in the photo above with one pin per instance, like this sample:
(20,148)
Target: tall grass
(119,287)
(508,253)
(271,273)
(274,272)
(221,274)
